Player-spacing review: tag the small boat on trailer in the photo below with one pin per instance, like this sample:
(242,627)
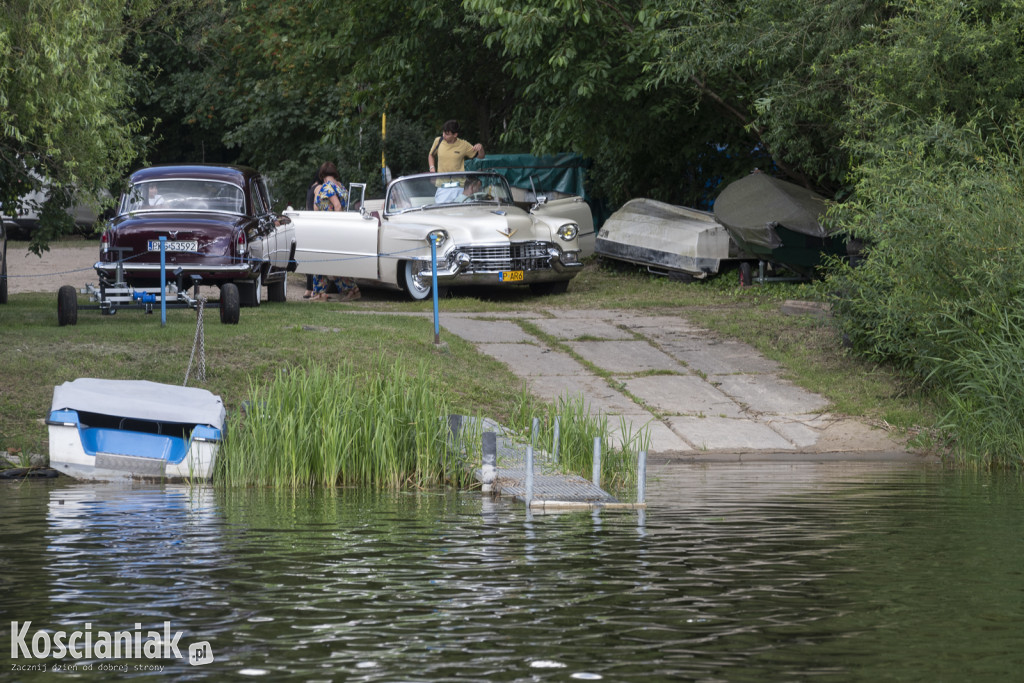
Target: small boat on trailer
(109,430)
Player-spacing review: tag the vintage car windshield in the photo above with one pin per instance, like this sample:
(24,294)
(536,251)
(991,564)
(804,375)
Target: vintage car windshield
(183,195)
(446,189)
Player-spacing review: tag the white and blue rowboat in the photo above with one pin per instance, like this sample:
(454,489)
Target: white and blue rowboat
(106,430)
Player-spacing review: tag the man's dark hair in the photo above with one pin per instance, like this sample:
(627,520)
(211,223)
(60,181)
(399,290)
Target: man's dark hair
(450,126)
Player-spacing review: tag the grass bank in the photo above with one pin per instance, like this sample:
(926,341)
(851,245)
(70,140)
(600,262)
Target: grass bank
(36,354)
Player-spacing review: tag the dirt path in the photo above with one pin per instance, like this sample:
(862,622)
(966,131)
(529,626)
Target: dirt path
(62,265)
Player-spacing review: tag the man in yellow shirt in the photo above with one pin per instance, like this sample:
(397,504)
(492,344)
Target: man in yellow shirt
(451,151)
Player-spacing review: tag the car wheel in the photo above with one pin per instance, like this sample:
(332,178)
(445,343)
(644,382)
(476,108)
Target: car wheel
(251,292)
(560,287)
(67,306)
(417,287)
(278,291)
(229,303)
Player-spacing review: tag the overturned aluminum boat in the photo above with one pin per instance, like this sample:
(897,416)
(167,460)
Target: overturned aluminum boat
(668,239)
(107,430)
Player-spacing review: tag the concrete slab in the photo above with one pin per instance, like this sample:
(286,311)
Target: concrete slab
(726,434)
(718,357)
(800,434)
(612,316)
(623,357)
(574,328)
(770,395)
(682,395)
(530,360)
(661,325)
(597,396)
(476,330)
(662,441)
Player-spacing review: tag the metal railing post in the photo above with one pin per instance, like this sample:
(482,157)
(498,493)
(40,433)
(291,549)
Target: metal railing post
(489,460)
(641,477)
(554,448)
(529,476)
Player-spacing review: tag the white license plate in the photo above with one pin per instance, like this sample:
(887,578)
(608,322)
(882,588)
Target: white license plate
(175,245)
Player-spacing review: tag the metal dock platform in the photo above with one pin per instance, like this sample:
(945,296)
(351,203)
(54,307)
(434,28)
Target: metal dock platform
(547,488)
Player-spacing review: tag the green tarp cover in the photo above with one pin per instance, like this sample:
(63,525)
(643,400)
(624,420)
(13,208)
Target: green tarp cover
(751,208)
(559,172)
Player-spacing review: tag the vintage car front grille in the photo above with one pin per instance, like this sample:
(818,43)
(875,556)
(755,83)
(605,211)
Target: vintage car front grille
(519,256)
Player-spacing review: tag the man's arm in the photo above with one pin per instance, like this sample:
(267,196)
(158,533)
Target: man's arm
(430,155)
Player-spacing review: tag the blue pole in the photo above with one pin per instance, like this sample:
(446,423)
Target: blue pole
(433,278)
(163,281)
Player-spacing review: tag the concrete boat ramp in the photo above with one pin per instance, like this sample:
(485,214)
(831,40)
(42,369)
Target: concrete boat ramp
(699,396)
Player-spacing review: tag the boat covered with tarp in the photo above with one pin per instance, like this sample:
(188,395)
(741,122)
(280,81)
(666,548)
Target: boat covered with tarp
(106,430)
(666,238)
(777,221)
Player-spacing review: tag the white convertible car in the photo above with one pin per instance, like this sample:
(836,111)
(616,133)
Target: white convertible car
(482,236)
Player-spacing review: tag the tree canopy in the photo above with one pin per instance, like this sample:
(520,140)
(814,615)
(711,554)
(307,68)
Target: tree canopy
(68,123)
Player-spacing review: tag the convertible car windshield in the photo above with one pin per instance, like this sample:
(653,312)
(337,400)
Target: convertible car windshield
(452,189)
(183,195)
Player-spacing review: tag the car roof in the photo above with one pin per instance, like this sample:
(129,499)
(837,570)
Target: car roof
(238,175)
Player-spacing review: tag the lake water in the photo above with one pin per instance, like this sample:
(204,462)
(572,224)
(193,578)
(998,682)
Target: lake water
(754,572)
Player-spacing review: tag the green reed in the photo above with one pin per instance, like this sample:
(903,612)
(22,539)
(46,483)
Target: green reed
(621,443)
(378,426)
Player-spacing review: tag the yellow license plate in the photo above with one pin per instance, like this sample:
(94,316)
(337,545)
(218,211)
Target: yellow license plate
(510,276)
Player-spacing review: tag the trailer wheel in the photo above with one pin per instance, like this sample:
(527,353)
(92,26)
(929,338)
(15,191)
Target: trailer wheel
(229,303)
(745,275)
(67,306)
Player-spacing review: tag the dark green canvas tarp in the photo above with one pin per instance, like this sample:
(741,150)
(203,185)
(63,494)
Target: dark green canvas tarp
(563,173)
(559,172)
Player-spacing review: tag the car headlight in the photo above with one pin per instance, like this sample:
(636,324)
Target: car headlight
(438,236)
(568,231)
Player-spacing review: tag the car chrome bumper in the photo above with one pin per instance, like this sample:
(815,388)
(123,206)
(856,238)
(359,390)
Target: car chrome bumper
(458,266)
(225,271)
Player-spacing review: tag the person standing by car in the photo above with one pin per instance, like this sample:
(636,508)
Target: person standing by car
(451,151)
(330,195)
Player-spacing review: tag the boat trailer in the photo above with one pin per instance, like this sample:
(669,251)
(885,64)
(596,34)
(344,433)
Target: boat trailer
(109,297)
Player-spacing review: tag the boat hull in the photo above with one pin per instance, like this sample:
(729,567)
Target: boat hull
(110,430)
(100,454)
(665,237)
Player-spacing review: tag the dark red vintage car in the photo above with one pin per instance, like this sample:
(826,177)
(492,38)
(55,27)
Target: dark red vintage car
(217,223)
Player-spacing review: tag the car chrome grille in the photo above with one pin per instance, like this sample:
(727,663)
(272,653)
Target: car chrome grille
(518,256)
